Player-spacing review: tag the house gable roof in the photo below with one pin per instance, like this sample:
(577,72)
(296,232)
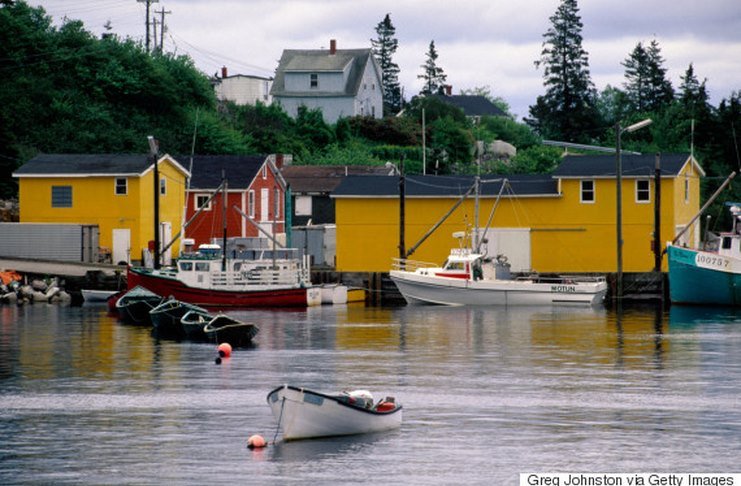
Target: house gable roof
(632,165)
(324,178)
(444,186)
(472,105)
(86,165)
(239,170)
(320,60)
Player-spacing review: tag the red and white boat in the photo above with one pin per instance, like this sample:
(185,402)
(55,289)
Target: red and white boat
(256,278)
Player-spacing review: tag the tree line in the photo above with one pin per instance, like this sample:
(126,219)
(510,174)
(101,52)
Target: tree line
(65,90)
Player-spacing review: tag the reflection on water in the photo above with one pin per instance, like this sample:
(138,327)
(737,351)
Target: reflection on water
(487,393)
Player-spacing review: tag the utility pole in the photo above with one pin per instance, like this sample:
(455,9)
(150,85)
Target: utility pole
(162,13)
(146,19)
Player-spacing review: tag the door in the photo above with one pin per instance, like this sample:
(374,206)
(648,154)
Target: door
(165,237)
(264,204)
(121,246)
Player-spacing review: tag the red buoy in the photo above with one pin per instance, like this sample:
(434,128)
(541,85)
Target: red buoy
(256,442)
(225,350)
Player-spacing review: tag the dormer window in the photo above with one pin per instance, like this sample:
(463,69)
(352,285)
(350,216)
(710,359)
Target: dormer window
(313,80)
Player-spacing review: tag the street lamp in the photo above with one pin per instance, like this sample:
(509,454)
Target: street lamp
(619,182)
(153,152)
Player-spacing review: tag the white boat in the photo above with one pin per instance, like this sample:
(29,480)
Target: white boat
(469,278)
(304,414)
(94,295)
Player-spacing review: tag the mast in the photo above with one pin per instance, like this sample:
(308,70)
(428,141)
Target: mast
(223,218)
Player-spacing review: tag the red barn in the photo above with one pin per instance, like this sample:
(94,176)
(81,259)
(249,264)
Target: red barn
(255,189)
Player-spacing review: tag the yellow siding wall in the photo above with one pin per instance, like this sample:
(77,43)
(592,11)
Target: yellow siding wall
(94,202)
(566,235)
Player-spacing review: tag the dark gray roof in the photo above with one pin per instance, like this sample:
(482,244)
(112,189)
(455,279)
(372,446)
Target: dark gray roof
(320,60)
(444,186)
(473,105)
(85,164)
(324,178)
(633,165)
(239,170)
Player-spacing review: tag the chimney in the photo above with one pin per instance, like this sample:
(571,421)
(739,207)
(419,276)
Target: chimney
(332,47)
(223,71)
(448,90)
(279,161)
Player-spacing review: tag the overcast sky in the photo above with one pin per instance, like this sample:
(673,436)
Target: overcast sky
(480,42)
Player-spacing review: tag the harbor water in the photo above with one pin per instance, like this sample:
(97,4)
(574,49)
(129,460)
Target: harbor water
(487,394)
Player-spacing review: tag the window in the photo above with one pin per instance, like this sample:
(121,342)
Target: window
(201,201)
(373,111)
(122,186)
(276,195)
(61,196)
(251,203)
(587,191)
(686,189)
(643,191)
(163,186)
(313,80)
(264,171)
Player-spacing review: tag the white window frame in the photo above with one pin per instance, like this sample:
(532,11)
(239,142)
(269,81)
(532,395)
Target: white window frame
(314,80)
(264,171)
(125,186)
(197,205)
(582,191)
(646,191)
(251,203)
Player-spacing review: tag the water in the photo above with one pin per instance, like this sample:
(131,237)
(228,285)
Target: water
(487,394)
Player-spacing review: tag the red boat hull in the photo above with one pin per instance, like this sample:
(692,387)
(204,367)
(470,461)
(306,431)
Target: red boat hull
(166,287)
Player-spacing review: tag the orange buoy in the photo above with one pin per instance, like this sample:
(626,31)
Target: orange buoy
(225,350)
(256,442)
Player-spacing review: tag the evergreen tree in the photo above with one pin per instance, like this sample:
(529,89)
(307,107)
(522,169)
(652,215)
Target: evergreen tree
(567,110)
(646,84)
(433,75)
(384,48)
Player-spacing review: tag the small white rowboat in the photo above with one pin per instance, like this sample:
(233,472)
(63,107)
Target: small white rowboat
(304,414)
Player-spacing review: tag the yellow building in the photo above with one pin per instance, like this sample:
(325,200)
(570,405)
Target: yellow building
(563,222)
(113,191)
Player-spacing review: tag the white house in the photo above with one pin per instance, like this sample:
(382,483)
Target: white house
(340,82)
(243,89)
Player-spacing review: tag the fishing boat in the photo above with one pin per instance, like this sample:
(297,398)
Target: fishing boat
(134,306)
(166,317)
(252,278)
(304,414)
(470,277)
(710,274)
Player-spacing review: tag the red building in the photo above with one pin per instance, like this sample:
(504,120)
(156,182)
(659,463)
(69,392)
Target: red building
(255,190)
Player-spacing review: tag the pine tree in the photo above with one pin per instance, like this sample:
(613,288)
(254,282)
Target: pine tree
(384,48)
(646,84)
(433,75)
(567,110)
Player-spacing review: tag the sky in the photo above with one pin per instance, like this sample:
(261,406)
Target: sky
(480,43)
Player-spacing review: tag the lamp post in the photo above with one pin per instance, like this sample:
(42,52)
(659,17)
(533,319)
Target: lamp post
(153,151)
(619,190)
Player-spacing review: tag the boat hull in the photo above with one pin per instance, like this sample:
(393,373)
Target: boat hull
(171,287)
(419,289)
(304,414)
(699,277)
(166,317)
